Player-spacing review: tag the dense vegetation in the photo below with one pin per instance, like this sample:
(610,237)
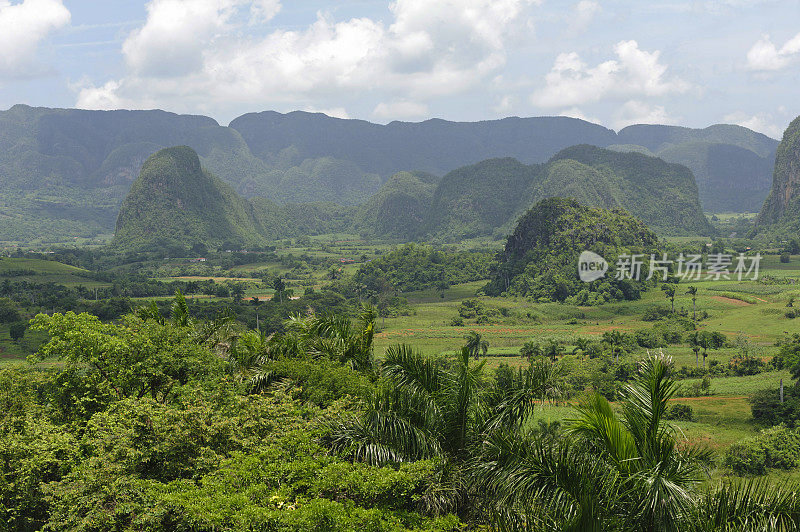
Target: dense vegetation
(168,422)
(540,258)
(413,267)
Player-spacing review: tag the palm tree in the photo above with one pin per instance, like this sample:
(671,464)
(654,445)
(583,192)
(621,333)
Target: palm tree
(705,344)
(581,345)
(425,409)
(692,291)
(476,344)
(553,350)
(531,350)
(694,341)
(609,472)
(669,292)
(614,339)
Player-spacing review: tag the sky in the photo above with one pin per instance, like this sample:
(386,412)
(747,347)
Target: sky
(692,63)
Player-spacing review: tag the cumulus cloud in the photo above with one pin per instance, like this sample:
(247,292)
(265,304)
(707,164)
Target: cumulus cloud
(23,27)
(426,49)
(634,73)
(575,112)
(399,110)
(638,112)
(764,55)
(581,15)
(761,122)
(336,112)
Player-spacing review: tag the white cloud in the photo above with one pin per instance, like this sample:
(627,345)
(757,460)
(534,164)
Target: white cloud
(23,27)
(335,112)
(505,104)
(426,49)
(638,112)
(399,110)
(764,55)
(574,112)
(761,122)
(177,32)
(634,73)
(581,15)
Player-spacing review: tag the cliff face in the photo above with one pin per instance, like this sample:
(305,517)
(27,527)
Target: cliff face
(782,208)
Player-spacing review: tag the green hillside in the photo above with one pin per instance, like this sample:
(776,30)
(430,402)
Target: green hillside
(399,208)
(478,199)
(540,258)
(662,195)
(175,204)
(487,198)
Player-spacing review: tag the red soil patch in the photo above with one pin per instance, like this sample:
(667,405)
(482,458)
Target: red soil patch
(732,301)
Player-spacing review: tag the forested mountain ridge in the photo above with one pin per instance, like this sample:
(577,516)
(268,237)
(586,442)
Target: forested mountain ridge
(488,197)
(65,172)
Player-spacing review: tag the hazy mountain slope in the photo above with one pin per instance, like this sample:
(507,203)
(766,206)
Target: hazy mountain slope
(729,178)
(487,198)
(661,194)
(781,212)
(435,146)
(658,137)
(478,199)
(175,204)
(399,208)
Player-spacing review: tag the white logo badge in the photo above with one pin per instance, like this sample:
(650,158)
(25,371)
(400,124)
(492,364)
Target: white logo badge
(591,266)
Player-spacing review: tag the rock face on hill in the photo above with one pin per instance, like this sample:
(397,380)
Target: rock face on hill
(781,211)
(175,204)
(540,258)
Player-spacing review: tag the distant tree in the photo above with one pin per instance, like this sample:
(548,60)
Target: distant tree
(692,291)
(694,341)
(581,345)
(237,292)
(476,344)
(531,350)
(614,339)
(553,350)
(786,258)
(792,247)
(669,292)
(17,330)
(280,287)
(8,311)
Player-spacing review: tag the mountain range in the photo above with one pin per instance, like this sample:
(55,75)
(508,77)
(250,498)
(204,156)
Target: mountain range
(175,204)
(65,172)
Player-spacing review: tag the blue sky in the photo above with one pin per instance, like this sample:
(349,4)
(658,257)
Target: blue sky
(692,63)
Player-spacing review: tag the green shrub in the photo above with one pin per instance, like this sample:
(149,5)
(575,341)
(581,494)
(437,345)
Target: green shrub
(680,412)
(746,459)
(777,447)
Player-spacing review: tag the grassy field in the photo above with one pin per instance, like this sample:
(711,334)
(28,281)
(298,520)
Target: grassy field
(45,271)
